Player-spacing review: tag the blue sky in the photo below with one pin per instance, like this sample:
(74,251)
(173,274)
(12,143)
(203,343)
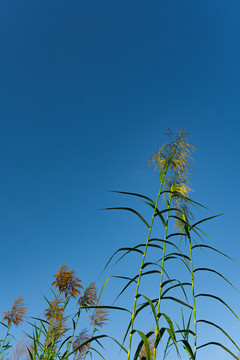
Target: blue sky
(88,90)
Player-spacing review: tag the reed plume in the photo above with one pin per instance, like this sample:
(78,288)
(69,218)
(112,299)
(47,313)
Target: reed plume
(17,313)
(89,297)
(99,316)
(67,282)
(80,352)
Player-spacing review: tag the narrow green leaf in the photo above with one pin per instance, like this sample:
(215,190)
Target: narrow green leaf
(215,272)
(92,349)
(146,343)
(221,329)
(219,299)
(212,248)
(206,219)
(178,285)
(178,301)
(133,194)
(131,210)
(94,338)
(153,311)
(220,345)
(188,349)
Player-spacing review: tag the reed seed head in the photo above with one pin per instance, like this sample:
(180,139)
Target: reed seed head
(67,282)
(78,341)
(89,297)
(99,316)
(17,313)
(55,315)
(175,157)
(54,310)
(57,327)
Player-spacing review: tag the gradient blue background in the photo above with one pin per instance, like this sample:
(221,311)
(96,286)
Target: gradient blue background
(88,90)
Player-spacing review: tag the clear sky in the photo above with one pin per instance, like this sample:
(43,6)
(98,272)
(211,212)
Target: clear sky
(88,90)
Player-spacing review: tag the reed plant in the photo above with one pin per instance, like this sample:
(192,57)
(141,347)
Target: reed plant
(172,242)
(176,244)
(58,334)
(11,318)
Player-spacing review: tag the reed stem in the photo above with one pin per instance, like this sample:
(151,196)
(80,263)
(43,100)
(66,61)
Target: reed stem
(161,278)
(141,268)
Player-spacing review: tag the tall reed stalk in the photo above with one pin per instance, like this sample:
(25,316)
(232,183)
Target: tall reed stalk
(173,163)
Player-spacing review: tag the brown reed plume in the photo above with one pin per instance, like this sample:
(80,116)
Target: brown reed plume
(17,313)
(54,314)
(99,316)
(67,282)
(89,297)
(55,309)
(20,350)
(78,340)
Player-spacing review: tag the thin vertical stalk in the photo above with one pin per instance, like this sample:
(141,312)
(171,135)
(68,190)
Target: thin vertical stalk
(161,277)
(141,268)
(193,295)
(168,162)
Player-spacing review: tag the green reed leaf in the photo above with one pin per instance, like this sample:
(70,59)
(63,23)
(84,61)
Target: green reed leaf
(211,248)
(131,210)
(206,219)
(221,329)
(217,273)
(220,300)
(146,343)
(127,249)
(178,285)
(188,349)
(177,300)
(220,345)
(132,194)
(94,338)
(153,310)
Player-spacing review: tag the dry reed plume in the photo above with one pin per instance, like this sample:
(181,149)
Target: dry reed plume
(17,313)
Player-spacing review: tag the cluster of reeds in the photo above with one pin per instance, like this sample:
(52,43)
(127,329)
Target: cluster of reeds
(175,245)
(172,241)
(58,334)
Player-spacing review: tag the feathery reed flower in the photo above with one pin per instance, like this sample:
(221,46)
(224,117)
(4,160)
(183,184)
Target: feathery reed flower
(179,194)
(19,350)
(89,297)
(54,310)
(174,156)
(17,313)
(99,316)
(67,282)
(78,340)
(54,314)
(57,327)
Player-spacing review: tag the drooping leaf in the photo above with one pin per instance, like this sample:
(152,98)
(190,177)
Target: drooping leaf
(220,300)
(220,345)
(132,194)
(131,210)
(221,329)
